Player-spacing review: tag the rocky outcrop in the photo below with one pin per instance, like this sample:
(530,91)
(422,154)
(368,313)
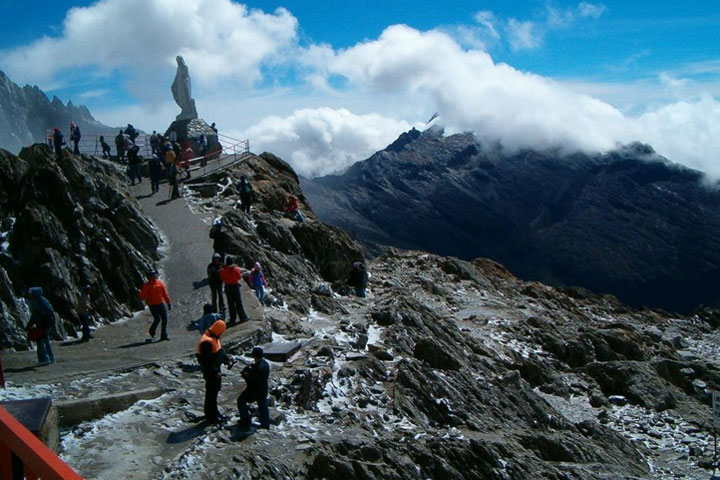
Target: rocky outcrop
(70,222)
(615,223)
(26,114)
(295,256)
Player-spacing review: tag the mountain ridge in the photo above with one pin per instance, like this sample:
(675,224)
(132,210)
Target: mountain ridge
(26,114)
(627,222)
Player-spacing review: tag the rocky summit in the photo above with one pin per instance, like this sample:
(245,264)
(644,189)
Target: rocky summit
(628,222)
(448,369)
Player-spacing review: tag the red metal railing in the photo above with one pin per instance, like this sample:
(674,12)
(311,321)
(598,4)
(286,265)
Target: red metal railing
(39,461)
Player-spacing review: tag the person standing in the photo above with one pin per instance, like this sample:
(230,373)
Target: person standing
(246,193)
(211,356)
(156,296)
(185,157)
(155,167)
(256,378)
(358,279)
(215,283)
(219,237)
(42,316)
(58,141)
(257,281)
(83,310)
(173,181)
(134,165)
(231,277)
(75,137)
(120,145)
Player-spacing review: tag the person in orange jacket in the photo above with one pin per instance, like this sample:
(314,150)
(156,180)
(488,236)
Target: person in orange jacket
(211,356)
(156,296)
(231,276)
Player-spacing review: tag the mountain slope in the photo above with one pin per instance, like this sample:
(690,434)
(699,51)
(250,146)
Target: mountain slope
(26,113)
(628,222)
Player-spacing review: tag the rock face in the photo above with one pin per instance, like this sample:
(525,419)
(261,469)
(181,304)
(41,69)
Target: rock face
(628,222)
(68,223)
(294,256)
(26,114)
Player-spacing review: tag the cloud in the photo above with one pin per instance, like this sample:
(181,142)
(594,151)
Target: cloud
(524,35)
(520,110)
(591,10)
(139,40)
(323,141)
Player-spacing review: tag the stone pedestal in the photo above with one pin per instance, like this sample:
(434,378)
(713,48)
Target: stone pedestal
(190,131)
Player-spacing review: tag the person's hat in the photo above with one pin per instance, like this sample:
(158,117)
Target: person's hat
(257,352)
(229,260)
(153,272)
(87,288)
(217,255)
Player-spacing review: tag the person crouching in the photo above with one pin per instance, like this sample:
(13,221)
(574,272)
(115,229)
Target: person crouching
(256,377)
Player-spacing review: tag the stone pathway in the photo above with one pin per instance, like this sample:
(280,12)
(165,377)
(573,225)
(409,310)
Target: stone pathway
(123,345)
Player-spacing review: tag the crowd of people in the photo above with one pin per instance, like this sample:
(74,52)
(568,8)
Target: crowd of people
(224,308)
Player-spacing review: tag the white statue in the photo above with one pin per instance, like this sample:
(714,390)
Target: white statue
(181,92)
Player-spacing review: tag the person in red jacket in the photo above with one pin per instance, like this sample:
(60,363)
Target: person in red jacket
(231,276)
(156,296)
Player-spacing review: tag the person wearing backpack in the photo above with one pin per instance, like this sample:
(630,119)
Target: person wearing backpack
(246,193)
(105,147)
(42,316)
(58,141)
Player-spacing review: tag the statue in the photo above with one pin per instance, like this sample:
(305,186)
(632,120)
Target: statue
(181,92)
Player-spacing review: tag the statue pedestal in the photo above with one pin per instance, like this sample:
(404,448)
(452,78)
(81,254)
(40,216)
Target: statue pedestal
(190,131)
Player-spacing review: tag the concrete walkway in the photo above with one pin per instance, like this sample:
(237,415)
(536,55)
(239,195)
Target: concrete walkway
(122,345)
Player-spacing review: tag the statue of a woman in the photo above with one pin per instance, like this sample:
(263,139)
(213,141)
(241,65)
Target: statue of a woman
(181,91)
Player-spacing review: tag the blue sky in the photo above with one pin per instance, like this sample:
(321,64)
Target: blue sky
(324,84)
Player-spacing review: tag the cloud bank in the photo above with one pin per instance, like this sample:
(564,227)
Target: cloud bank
(140,39)
(322,141)
(340,106)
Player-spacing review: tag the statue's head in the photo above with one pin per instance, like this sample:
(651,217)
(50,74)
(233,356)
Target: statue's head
(180,60)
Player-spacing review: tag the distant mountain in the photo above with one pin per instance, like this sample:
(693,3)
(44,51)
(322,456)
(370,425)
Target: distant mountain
(26,113)
(628,222)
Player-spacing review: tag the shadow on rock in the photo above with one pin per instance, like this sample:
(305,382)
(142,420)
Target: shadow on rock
(188,433)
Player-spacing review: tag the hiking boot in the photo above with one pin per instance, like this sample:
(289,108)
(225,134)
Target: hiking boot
(151,333)
(165,338)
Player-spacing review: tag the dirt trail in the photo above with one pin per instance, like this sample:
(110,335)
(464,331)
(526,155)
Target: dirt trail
(123,344)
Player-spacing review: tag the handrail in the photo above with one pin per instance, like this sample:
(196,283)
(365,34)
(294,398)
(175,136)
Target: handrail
(39,460)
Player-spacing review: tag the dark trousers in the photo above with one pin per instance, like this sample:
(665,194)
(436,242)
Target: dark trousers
(159,313)
(85,321)
(76,149)
(155,182)
(263,410)
(212,388)
(235,305)
(217,297)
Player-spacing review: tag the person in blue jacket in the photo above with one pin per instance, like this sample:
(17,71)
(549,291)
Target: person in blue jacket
(42,316)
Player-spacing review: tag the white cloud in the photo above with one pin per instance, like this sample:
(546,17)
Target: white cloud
(591,10)
(521,110)
(323,141)
(487,20)
(524,35)
(139,39)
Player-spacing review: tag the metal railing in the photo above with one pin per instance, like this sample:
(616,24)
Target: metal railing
(39,462)
(231,152)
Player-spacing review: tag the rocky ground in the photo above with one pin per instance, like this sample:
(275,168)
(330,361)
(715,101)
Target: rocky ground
(448,369)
